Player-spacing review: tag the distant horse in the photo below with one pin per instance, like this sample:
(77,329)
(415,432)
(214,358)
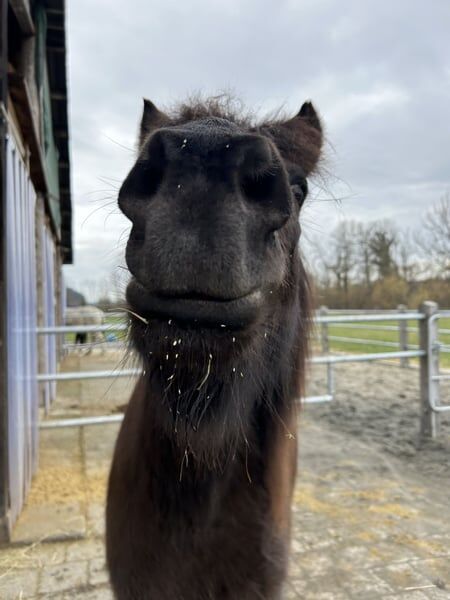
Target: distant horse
(203,471)
(86,315)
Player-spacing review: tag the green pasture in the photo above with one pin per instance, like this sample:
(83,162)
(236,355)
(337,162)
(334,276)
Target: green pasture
(112,320)
(374,335)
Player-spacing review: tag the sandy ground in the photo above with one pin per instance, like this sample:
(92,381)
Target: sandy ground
(379,405)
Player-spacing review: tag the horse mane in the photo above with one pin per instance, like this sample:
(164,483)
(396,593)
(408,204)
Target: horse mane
(221,106)
(299,145)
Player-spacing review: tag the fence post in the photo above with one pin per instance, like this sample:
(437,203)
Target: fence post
(323,311)
(403,335)
(429,367)
(325,344)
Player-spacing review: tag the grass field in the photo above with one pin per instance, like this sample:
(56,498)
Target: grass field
(112,320)
(375,335)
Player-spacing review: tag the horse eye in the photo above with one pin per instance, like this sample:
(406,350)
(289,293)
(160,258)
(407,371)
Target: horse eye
(299,190)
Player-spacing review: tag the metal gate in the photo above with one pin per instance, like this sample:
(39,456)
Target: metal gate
(22,389)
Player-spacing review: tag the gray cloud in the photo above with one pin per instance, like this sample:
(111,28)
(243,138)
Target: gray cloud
(379,72)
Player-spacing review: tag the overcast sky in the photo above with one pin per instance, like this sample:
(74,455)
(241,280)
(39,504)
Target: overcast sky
(378,71)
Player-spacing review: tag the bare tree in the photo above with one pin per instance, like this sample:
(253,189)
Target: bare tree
(339,257)
(407,258)
(436,239)
(383,240)
(364,254)
(314,252)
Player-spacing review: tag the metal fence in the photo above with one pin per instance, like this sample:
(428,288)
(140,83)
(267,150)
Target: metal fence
(427,352)
(401,329)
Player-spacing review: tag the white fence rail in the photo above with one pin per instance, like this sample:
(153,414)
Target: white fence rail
(427,351)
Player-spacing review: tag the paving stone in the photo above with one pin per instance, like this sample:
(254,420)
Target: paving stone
(389,551)
(437,569)
(321,588)
(428,525)
(308,540)
(62,447)
(50,522)
(97,572)
(333,595)
(100,593)
(362,584)
(63,577)
(438,545)
(96,519)
(356,557)
(47,553)
(299,546)
(18,584)
(300,585)
(99,448)
(311,564)
(82,593)
(289,593)
(438,594)
(408,595)
(31,556)
(401,576)
(85,550)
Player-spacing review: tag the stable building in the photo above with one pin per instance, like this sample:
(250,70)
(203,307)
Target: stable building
(35,230)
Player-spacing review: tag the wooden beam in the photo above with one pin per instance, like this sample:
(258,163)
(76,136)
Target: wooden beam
(56,27)
(21,10)
(21,98)
(58,96)
(55,11)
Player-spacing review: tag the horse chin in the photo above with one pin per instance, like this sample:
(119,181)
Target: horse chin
(196,413)
(169,342)
(196,371)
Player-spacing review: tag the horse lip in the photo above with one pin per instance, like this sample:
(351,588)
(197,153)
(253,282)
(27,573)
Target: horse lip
(235,312)
(200,297)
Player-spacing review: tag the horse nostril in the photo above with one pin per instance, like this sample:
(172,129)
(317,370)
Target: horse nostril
(144,179)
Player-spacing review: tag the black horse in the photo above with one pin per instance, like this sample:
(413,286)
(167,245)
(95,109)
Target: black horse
(203,472)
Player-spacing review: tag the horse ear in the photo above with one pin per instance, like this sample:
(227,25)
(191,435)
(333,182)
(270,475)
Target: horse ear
(300,139)
(309,115)
(152,118)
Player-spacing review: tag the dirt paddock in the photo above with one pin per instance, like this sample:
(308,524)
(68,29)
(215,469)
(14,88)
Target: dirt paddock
(371,506)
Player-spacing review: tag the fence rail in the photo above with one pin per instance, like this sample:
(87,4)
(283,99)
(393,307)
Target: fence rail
(427,352)
(363,341)
(63,329)
(411,316)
